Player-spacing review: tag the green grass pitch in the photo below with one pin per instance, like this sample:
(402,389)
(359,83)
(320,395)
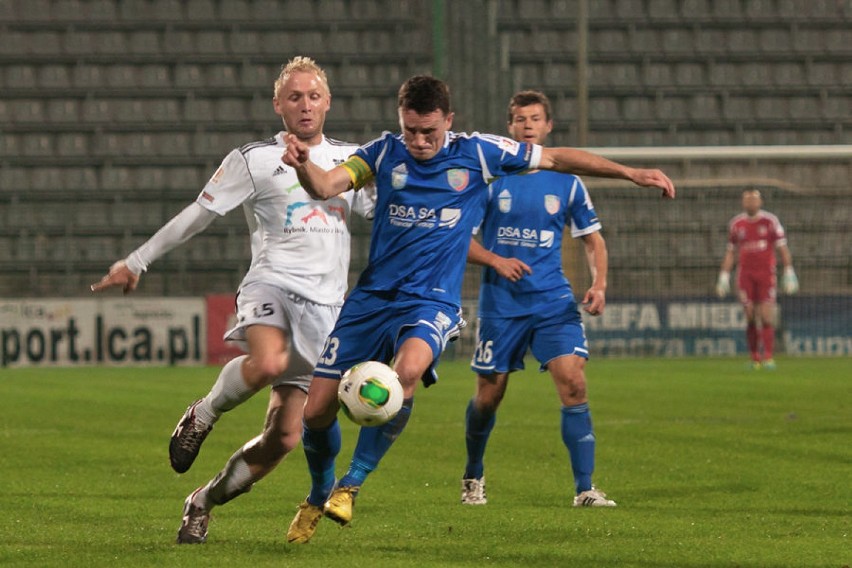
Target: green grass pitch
(711,465)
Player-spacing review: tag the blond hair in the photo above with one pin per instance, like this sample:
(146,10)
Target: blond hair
(300,63)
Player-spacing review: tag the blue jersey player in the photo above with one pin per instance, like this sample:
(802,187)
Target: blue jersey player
(432,187)
(526,302)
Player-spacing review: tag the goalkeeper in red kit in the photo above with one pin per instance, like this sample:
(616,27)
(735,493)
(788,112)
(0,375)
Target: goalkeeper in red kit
(756,234)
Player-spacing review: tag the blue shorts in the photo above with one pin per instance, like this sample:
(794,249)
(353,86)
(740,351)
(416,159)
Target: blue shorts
(373,325)
(502,343)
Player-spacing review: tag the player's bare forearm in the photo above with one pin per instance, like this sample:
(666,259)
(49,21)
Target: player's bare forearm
(509,268)
(317,182)
(598,258)
(580,162)
(786,257)
(727,261)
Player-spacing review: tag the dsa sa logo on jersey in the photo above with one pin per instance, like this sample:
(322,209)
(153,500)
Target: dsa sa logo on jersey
(551,204)
(458,178)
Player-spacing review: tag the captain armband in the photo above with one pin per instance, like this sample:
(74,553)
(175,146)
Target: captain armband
(359,172)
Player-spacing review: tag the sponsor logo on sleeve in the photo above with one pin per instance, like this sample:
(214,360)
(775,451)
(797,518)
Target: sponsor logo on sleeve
(218,175)
(509,145)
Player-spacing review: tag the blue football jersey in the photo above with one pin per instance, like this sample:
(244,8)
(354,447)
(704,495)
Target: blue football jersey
(525,219)
(426,210)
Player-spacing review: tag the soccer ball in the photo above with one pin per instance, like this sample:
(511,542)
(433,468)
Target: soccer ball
(370,393)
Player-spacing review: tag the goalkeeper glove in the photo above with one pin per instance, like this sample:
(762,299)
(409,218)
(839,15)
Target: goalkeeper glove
(790,282)
(723,284)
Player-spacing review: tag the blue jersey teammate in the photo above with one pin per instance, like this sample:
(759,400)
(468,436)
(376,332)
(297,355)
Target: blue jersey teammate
(432,185)
(526,302)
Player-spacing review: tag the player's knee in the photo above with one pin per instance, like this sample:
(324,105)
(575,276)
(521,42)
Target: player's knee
(488,400)
(265,369)
(409,374)
(289,441)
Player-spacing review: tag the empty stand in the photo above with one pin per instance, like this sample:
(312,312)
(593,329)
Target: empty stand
(114,114)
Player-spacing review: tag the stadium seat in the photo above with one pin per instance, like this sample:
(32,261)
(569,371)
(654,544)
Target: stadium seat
(63,111)
(559,75)
(27,111)
(78,42)
(822,74)
(678,41)
(756,74)
(154,76)
(189,76)
(672,108)
(657,74)
(726,9)
(145,42)
(243,42)
(211,42)
(614,40)
(172,144)
(167,10)
(111,43)
(37,145)
(197,110)
(258,76)
(70,144)
(116,178)
(231,109)
(202,10)
(234,10)
(689,75)
(704,107)
(223,75)
(78,179)
(121,76)
(788,74)
(20,77)
(43,43)
(179,42)
(663,9)
(604,109)
(88,76)
(101,10)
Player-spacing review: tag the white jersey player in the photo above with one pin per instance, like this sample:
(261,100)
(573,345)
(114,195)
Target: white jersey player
(287,302)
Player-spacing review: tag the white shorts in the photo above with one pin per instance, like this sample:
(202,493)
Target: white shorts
(305,324)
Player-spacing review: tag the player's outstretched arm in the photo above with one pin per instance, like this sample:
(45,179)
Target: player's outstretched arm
(119,275)
(510,268)
(317,182)
(192,220)
(580,162)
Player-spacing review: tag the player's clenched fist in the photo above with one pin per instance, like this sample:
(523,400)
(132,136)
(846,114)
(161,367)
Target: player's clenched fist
(296,152)
(118,275)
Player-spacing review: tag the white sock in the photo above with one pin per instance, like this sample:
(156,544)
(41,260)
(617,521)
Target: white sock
(229,391)
(234,479)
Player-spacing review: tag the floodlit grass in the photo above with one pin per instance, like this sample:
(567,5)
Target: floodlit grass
(711,465)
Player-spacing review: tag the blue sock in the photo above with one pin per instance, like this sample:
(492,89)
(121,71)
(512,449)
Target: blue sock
(373,444)
(580,440)
(477,429)
(321,447)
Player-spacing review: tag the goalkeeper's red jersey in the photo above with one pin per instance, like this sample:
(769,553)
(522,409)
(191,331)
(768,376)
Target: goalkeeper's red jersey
(756,238)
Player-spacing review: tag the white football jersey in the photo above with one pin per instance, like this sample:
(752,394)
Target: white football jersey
(298,244)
